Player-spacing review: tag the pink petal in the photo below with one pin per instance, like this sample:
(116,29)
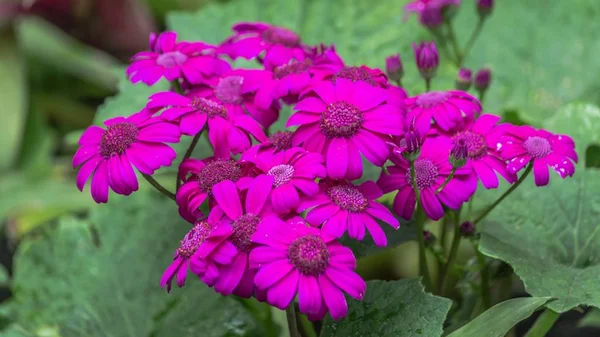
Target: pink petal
(320,214)
(269,274)
(264,255)
(309,295)
(355,167)
(383,213)
(282,293)
(227,197)
(257,193)
(385,119)
(285,198)
(356,227)
(540,172)
(337,158)
(181,275)
(192,124)
(405,202)
(348,281)
(431,204)
(375,230)
(100,183)
(485,123)
(310,104)
(169,273)
(336,226)
(302,118)
(485,173)
(334,298)
(84,153)
(372,147)
(86,170)
(231,275)
(91,135)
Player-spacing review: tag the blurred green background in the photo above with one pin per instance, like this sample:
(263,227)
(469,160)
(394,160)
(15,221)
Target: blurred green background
(68,264)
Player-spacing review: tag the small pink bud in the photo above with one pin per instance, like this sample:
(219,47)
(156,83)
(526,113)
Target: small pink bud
(464,79)
(394,68)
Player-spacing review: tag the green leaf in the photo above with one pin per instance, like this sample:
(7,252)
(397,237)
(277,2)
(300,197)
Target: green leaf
(398,308)
(499,319)
(591,319)
(553,243)
(361,248)
(100,277)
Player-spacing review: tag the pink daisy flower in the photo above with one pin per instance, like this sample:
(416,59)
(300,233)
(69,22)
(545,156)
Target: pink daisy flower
(525,144)
(294,172)
(225,131)
(445,107)
(236,91)
(237,278)
(481,138)
(203,250)
(344,120)
(192,61)
(200,176)
(277,142)
(431,170)
(343,206)
(294,259)
(108,154)
(252,39)
(372,76)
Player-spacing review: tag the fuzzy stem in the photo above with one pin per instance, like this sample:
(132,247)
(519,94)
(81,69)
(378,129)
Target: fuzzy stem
(472,39)
(427,84)
(158,186)
(543,324)
(503,196)
(485,280)
(291,320)
(454,43)
(188,153)
(450,176)
(420,219)
(452,256)
(177,87)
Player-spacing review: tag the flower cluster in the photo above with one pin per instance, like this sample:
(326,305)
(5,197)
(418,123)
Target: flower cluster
(269,207)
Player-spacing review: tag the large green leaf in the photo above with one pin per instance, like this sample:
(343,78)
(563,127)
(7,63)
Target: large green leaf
(553,243)
(499,319)
(100,277)
(399,308)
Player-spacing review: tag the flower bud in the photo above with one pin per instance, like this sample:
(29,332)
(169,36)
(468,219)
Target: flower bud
(459,153)
(427,59)
(412,142)
(485,7)
(464,79)
(483,79)
(393,67)
(429,238)
(467,229)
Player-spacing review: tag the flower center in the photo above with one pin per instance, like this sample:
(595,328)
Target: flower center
(341,119)
(309,255)
(229,89)
(355,74)
(171,59)
(291,68)
(537,147)
(243,229)
(348,197)
(426,173)
(432,98)
(280,35)
(217,171)
(476,145)
(211,108)
(281,140)
(282,174)
(117,138)
(193,239)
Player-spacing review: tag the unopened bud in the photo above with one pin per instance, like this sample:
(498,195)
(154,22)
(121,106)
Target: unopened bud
(459,153)
(429,238)
(483,79)
(412,142)
(464,79)
(485,7)
(393,67)
(427,59)
(467,229)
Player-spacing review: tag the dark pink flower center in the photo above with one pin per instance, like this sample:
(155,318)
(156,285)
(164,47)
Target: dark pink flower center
(280,35)
(348,197)
(475,142)
(193,239)
(217,171)
(426,173)
(355,74)
(229,89)
(171,59)
(281,140)
(341,119)
(117,138)
(291,68)
(211,108)
(309,255)
(432,98)
(537,147)
(243,229)
(282,173)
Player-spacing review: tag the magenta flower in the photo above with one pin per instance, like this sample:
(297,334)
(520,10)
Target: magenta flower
(445,107)
(430,12)
(286,81)
(343,206)
(252,39)
(226,131)
(525,144)
(427,59)
(277,142)
(335,71)
(294,259)
(431,170)
(294,172)
(108,154)
(192,61)
(237,278)
(203,250)
(344,120)
(481,138)
(236,91)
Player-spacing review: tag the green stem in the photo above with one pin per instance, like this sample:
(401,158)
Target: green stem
(452,38)
(290,314)
(427,84)
(471,41)
(450,176)
(485,279)
(177,86)
(158,186)
(481,96)
(543,324)
(503,196)
(188,153)
(420,219)
(452,256)
(307,329)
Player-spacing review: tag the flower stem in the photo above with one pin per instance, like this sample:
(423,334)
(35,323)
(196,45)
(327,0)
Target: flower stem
(420,219)
(158,186)
(291,320)
(455,48)
(452,256)
(485,279)
(450,176)
(472,39)
(427,84)
(503,196)
(177,87)
(543,324)
(187,154)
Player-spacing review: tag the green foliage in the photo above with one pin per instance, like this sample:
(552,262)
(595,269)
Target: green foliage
(554,243)
(498,320)
(591,319)
(399,308)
